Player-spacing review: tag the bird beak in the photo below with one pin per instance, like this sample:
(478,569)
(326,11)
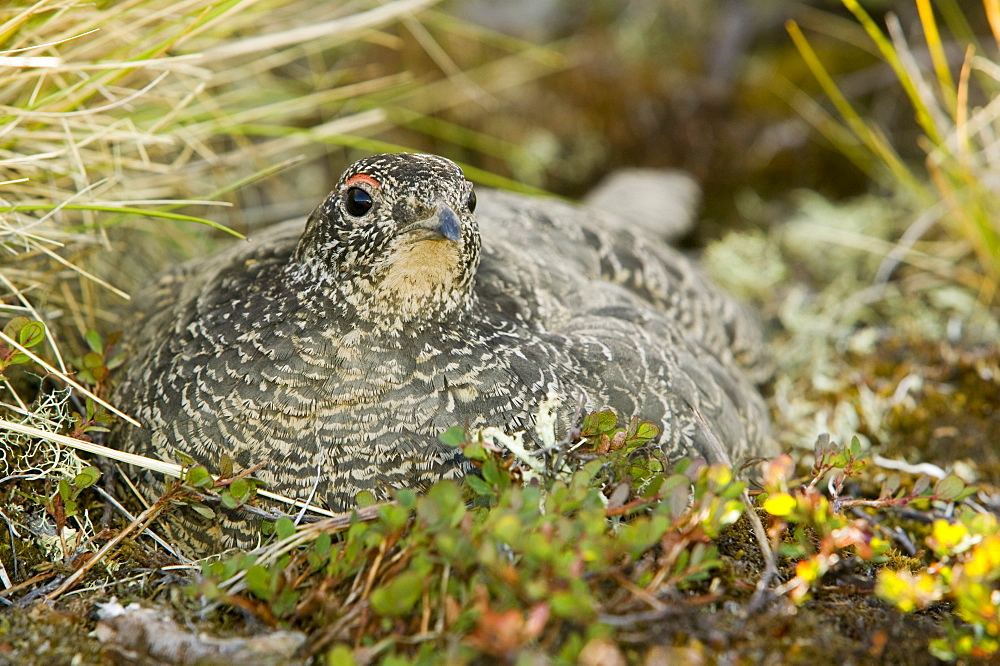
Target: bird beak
(443,224)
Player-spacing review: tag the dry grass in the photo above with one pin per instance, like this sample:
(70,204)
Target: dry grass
(959,125)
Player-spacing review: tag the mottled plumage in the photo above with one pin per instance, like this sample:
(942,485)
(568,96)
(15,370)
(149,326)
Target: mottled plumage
(343,350)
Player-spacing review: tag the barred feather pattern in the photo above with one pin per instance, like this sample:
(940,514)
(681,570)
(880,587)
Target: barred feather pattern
(337,353)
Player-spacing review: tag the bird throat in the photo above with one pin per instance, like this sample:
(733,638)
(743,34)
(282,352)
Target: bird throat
(423,277)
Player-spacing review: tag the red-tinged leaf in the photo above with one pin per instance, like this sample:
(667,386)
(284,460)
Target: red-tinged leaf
(14,326)
(920,485)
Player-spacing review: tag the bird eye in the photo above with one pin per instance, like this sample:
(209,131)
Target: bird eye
(471,203)
(359,202)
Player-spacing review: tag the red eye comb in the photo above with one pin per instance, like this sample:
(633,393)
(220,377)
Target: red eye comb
(362,178)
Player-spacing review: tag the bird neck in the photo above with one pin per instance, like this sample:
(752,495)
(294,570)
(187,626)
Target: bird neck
(383,305)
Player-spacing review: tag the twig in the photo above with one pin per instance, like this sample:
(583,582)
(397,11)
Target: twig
(638,592)
(144,518)
(638,502)
(638,618)
(770,559)
(312,494)
(26,584)
(13,539)
(148,532)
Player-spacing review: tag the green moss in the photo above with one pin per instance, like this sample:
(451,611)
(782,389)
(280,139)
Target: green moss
(45,636)
(954,412)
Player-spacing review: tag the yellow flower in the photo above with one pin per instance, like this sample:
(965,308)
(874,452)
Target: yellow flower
(948,539)
(779,504)
(908,591)
(984,560)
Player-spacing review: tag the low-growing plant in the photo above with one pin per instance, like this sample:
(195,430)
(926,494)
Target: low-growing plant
(816,531)
(27,333)
(966,573)
(95,366)
(490,566)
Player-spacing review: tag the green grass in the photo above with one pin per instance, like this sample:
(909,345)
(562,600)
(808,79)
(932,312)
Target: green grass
(957,138)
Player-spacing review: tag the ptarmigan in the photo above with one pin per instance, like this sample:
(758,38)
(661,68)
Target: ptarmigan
(340,352)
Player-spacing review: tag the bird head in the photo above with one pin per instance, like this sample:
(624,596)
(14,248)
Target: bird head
(398,237)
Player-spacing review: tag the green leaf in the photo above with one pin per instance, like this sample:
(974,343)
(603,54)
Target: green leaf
(92,360)
(442,504)
(682,466)
(87,477)
(31,333)
(949,488)
(733,491)
(889,486)
(479,486)
(606,422)
(239,489)
(225,466)
(285,602)
(183,458)
(116,360)
(839,460)
(99,373)
(400,595)
(284,527)
(475,451)
(203,511)
(578,607)
(228,500)
(322,544)
(340,655)
(94,341)
(199,477)
(678,500)
(365,498)
(855,446)
(393,515)
(969,491)
(681,563)
(645,432)
(406,497)
(921,484)
(259,582)
(453,436)
(491,473)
